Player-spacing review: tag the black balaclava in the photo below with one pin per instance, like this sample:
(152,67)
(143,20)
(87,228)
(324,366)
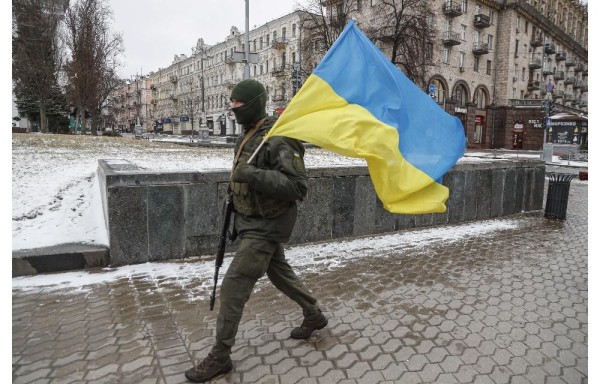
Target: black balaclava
(254,96)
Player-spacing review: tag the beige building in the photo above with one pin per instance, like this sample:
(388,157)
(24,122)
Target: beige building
(492,63)
(132,102)
(195,89)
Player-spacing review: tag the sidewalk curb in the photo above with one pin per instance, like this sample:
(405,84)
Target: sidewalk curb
(59,258)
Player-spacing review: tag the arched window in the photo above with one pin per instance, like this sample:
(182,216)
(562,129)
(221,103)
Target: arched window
(440,91)
(460,95)
(480,98)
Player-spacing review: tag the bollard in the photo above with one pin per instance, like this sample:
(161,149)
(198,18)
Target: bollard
(558,195)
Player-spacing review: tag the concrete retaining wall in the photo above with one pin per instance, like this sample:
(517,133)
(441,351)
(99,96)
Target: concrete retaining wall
(158,216)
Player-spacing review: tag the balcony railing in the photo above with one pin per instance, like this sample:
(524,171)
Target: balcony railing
(533,86)
(279,71)
(577,84)
(173,79)
(452,8)
(550,48)
(570,62)
(578,67)
(548,70)
(481,21)
(535,63)
(560,56)
(480,48)
(559,94)
(451,38)
(537,41)
(279,43)
(559,75)
(569,80)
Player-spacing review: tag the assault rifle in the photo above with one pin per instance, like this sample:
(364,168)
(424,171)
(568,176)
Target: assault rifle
(228,209)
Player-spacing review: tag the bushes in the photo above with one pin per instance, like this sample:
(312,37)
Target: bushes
(111,133)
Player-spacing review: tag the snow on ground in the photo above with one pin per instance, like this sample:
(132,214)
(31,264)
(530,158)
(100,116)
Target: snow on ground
(305,258)
(55,190)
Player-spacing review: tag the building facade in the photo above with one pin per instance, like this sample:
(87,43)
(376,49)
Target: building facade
(494,64)
(195,89)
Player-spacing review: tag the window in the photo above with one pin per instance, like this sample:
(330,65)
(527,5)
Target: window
(283,33)
(523,72)
(274,35)
(517,48)
(464,6)
(446,55)
(293,30)
(488,67)
(526,26)
(477,9)
(358,5)
(261,43)
(429,51)
(463,32)
(490,42)
(461,61)
(261,69)
(518,23)
(514,93)
(492,16)
(268,40)
(460,95)
(476,64)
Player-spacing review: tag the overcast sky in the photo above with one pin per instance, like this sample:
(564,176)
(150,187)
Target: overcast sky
(156,30)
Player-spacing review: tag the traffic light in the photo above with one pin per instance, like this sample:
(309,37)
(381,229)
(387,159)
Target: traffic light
(550,108)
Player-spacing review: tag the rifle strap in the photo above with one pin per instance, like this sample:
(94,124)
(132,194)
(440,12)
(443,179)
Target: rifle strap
(246,138)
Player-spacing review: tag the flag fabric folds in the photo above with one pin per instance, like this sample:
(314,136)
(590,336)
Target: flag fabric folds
(358,104)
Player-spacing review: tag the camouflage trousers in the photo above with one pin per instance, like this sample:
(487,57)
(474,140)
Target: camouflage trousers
(253,258)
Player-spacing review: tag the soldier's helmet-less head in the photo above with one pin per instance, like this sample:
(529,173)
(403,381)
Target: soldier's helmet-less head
(254,96)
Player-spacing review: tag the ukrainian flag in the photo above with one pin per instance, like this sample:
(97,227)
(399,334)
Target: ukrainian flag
(358,104)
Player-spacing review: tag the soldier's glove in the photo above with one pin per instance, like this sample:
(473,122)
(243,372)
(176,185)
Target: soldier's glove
(243,173)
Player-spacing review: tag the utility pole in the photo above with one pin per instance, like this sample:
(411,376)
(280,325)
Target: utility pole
(247,48)
(547,149)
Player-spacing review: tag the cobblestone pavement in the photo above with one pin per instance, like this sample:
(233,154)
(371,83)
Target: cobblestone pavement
(506,308)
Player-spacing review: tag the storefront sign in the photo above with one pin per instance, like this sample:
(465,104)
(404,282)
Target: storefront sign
(536,123)
(460,110)
(183,119)
(518,127)
(479,119)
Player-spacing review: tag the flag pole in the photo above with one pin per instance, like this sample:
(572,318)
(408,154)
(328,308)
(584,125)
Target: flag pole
(256,150)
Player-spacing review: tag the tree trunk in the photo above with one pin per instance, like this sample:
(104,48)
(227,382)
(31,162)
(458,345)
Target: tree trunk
(43,120)
(94,124)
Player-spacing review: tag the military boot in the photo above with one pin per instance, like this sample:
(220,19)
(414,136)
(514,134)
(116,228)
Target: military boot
(308,326)
(208,369)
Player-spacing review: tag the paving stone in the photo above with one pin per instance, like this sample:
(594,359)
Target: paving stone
(499,308)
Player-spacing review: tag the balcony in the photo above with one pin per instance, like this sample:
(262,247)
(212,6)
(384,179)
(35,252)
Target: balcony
(279,43)
(584,88)
(550,48)
(570,62)
(173,79)
(279,71)
(559,95)
(568,97)
(537,41)
(480,48)
(569,80)
(452,8)
(481,21)
(577,84)
(560,56)
(533,86)
(278,97)
(578,67)
(548,70)
(229,59)
(559,75)
(535,63)
(584,72)
(451,38)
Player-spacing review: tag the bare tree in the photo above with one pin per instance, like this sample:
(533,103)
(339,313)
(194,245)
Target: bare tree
(94,49)
(323,21)
(36,56)
(406,31)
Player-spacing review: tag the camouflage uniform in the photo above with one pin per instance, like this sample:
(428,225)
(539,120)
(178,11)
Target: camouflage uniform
(265,216)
